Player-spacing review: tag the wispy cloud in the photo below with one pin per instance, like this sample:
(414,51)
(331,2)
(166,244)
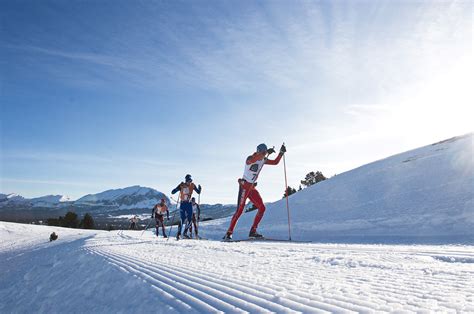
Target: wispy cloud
(281,45)
(54,157)
(76,158)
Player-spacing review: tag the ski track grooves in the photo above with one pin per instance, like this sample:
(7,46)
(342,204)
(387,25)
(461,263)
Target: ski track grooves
(186,301)
(197,290)
(228,296)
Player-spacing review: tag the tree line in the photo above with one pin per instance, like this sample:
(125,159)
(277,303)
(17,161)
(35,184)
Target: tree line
(310,179)
(71,220)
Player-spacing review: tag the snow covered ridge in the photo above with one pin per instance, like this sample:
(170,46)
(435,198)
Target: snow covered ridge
(423,193)
(44,201)
(127,198)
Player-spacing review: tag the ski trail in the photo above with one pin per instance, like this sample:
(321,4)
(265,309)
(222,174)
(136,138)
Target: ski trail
(188,299)
(265,290)
(203,283)
(251,300)
(298,278)
(224,302)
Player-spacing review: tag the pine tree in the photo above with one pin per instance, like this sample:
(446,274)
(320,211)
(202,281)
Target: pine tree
(289,191)
(70,220)
(313,178)
(87,222)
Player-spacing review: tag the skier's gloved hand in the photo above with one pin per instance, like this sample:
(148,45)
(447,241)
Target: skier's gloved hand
(270,150)
(199,188)
(283,149)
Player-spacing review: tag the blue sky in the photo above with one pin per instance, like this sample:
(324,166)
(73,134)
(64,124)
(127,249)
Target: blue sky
(106,94)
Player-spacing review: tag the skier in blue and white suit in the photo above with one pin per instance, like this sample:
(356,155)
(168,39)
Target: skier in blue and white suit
(186,208)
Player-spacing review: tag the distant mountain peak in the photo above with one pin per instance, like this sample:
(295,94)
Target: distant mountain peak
(131,197)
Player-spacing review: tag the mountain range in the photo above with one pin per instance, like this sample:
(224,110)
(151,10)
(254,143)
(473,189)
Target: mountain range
(111,205)
(133,197)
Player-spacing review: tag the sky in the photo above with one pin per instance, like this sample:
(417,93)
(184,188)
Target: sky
(107,94)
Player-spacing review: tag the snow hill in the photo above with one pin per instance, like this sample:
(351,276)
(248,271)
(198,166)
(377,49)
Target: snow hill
(420,195)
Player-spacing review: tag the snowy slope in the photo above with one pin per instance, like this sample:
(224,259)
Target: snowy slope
(106,272)
(426,192)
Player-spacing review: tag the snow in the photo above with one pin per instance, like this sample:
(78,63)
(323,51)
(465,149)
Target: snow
(110,272)
(140,217)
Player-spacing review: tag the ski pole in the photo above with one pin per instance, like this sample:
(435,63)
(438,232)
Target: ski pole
(287,196)
(172,198)
(172,219)
(149,220)
(199,206)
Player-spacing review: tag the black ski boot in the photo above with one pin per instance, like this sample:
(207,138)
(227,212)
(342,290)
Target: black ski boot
(254,234)
(186,236)
(227,237)
(165,236)
(178,236)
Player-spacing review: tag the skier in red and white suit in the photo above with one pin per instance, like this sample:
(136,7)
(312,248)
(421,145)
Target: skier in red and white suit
(247,184)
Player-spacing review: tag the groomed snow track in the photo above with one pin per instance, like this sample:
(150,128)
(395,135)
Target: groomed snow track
(259,277)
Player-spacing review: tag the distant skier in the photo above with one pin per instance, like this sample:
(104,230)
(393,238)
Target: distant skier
(247,184)
(186,209)
(158,212)
(133,222)
(196,210)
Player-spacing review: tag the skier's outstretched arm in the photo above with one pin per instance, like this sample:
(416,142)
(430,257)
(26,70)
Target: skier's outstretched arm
(277,160)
